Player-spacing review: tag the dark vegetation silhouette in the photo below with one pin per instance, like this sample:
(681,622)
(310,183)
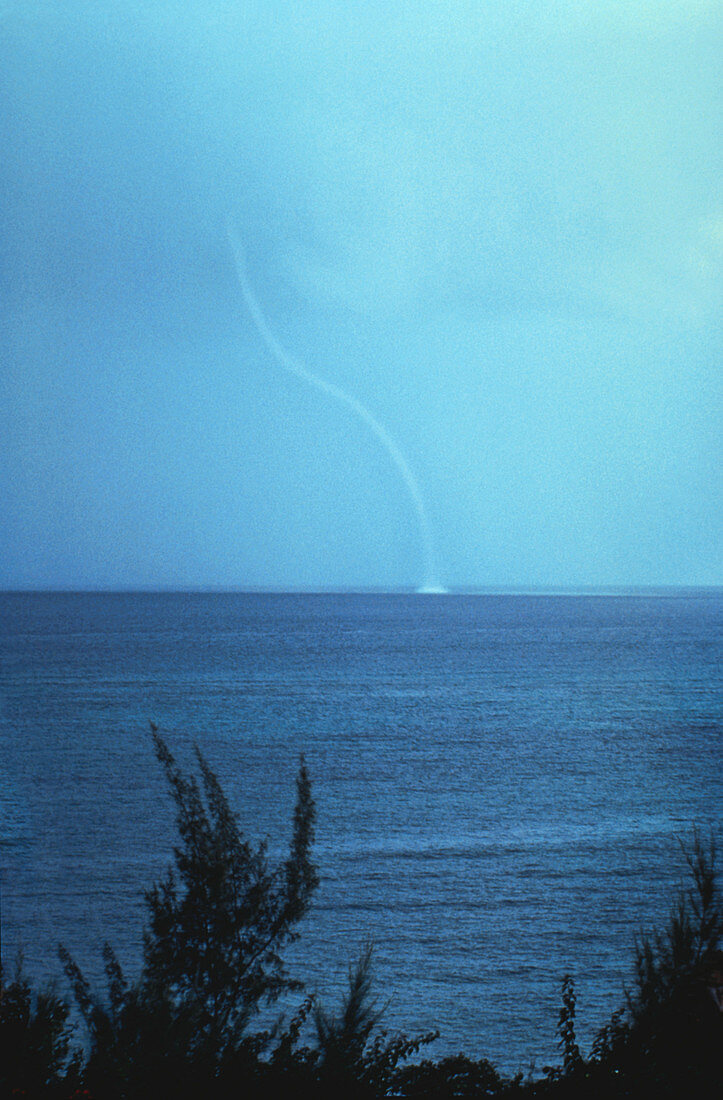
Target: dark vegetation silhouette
(190,1024)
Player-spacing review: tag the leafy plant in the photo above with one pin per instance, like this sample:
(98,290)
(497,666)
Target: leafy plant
(667,962)
(218,923)
(452,1078)
(36,1038)
(355,1057)
(669,1034)
(212,956)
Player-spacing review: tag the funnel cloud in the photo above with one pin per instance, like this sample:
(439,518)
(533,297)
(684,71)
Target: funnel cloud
(430,583)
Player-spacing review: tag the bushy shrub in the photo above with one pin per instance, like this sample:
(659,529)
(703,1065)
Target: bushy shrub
(354,1057)
(212,950)
(35,1035)
(451,1078)
(667,1039)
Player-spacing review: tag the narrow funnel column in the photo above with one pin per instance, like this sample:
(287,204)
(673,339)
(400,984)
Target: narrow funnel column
(289,364)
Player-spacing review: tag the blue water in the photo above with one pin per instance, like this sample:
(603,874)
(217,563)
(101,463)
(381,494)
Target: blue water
(500,781)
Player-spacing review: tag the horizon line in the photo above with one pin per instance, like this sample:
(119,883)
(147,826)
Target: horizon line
(365,590)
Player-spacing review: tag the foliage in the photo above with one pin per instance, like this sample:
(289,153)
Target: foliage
(571,1059)
(215,942)
(353,1058)
(342,1038)
(36,1037)
(668,1036)
(212,951)
(452,1077)
(666,962)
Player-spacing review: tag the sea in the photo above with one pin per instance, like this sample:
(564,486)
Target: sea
(505,783)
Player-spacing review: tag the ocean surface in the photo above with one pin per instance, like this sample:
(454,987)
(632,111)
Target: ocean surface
(501,782)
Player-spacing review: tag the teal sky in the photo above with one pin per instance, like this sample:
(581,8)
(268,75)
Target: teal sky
(494,227)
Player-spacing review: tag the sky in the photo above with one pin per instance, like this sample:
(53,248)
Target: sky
(321,294)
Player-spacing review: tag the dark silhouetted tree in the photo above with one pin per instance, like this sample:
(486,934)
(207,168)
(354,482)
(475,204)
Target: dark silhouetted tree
(355,1058)
(218,922)
(668,1038)
(35,1037)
